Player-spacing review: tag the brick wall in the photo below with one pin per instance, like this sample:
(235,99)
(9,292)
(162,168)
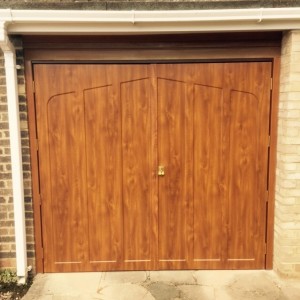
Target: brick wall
(287,211)
(7,239)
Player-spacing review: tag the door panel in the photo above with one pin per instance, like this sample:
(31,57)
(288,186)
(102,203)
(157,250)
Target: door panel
(208,200)
(103,132)
(173,209)
(96,156)
(137,170)
(65,117)
(104,129)
(249,109)
(60,116)
(242,174)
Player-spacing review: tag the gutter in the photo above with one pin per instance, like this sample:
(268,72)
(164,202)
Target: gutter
(93,22)
(16,152)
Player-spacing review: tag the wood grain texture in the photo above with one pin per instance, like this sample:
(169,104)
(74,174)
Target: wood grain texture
(60,118)
(66,140)
(100,166)
(249,86)
(103,144)
(171,133)
(243,176)
(237,39)
(208,219)
(104,129)
(136,140)
(175,133)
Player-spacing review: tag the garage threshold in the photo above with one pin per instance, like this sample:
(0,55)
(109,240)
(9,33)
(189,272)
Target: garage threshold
(164,285)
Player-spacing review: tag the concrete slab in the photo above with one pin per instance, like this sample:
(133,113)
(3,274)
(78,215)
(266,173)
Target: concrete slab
(163,291)
(64,285)
(254,285)
(164,285)
(124,291)
(45,297)
(66,297)
(221,294)
(195,292)
(173,276)
(122,277)
(291,293)
(36,291)
(219,278)
(78,283)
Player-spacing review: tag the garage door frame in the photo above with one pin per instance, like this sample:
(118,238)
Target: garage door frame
(139,49)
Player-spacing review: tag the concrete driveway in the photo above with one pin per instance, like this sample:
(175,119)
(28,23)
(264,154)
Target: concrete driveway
(165,285)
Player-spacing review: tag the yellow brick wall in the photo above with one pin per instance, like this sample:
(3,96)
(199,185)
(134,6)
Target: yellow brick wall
(287,199)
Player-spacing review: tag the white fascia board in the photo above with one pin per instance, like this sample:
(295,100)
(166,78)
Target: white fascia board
(152,16)
(94,29)
(140,29)
(93,22)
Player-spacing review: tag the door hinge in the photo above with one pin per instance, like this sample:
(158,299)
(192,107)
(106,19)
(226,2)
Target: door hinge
(266,248)
(37,144)
(267,196)
(33,87)
(40,200)
(269,141)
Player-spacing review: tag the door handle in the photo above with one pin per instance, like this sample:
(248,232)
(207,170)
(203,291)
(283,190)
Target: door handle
(161,171)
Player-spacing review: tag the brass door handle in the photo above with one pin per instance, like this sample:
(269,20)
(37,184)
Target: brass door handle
(161,171)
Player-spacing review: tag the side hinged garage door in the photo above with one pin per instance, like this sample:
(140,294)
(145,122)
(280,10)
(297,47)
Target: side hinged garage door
(153,166)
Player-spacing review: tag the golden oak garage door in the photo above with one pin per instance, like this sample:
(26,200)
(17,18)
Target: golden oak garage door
(153,166)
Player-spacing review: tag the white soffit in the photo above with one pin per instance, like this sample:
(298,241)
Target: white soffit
(94,22)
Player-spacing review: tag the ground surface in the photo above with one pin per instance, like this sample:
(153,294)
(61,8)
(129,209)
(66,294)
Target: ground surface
(165,285)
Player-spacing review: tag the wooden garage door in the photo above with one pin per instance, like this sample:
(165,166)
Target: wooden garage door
(104,130)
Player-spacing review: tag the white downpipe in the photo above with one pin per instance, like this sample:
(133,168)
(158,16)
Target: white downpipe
(16,153)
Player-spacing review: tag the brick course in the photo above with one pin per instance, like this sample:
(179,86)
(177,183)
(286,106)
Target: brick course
(7,230)
(287,211)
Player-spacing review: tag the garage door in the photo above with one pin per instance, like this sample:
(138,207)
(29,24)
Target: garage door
(153,166)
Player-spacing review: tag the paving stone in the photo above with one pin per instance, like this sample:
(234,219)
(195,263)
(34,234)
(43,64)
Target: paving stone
(124,291)
(173,276)
(164,291)
(258,286)
(123,277)
(44,297)
(219,278)
(221,294)
(212,285)
(290,293)
(66,297)
(193,292)
(71,283)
